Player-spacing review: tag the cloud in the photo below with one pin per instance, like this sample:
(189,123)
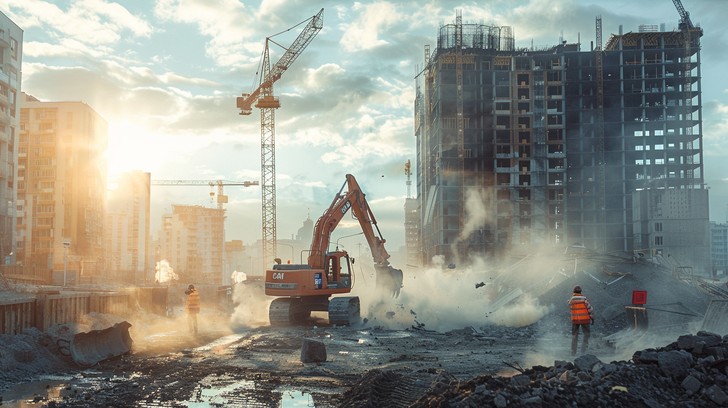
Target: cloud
(363,32)
(226,23)
(91,22)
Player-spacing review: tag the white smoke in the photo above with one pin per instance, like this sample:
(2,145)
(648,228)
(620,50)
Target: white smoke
(164,272)
(251,305)
(238,276)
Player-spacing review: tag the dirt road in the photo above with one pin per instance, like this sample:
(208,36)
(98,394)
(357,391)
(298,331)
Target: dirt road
(262,367)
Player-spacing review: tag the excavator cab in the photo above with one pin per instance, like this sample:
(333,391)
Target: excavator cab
(338,270)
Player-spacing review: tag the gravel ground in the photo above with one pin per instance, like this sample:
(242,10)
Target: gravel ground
(505,342)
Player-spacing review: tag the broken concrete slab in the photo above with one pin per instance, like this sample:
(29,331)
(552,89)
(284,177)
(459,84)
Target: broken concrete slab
(94,346)
(313,351)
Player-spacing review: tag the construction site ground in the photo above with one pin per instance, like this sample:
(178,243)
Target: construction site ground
(262,366)
(457,348)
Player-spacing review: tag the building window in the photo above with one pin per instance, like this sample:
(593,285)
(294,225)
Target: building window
(658,240)
(658,227)
(14,48)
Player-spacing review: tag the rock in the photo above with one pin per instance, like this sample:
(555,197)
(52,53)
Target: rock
(520,380)
(716,395)
(313,351)
(691,384)
(500,401)
(645,357)
(675,362)
(586,362)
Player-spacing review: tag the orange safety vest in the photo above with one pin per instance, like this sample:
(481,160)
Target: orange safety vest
(193,302)
(580,309)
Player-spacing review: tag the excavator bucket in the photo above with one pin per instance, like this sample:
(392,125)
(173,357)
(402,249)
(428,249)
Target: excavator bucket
(89,348)
(389,279)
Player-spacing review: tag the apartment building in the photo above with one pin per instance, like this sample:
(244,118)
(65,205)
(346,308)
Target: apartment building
(192,240)
(11,55)
(128,240)
(61,190)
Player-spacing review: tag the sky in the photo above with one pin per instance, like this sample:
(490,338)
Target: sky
(165,75)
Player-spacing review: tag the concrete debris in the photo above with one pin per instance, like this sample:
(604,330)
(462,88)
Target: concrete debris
(692,371)
(313,351)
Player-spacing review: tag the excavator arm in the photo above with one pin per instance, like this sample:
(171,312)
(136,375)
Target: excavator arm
(354,198)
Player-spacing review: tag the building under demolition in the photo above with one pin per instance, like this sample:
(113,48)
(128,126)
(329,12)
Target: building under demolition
(523,147)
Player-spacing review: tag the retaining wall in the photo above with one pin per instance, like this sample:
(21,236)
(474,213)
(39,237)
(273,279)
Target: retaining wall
(48,309)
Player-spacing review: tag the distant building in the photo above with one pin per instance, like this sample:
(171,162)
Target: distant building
(521,148)
(128,240)
(412,233)
(61,190)
(719,248)
(11,56)
(192,241)
(672,225)
(236,260)
(305,233)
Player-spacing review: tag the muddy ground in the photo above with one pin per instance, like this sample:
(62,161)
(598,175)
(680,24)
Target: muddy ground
(366,365)
(443,330)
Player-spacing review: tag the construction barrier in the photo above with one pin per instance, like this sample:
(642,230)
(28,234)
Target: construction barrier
(51,308)
(17,315)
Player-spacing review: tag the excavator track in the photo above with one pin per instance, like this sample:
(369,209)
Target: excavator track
(287,311)
(344,310)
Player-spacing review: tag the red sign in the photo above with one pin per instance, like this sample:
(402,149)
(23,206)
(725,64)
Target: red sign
(639,297)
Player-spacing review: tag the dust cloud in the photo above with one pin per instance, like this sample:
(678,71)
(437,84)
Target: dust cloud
(441,299)
(251,305)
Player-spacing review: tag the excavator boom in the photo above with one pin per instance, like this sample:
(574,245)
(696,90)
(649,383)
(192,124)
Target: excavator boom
(304,288)
(354,198)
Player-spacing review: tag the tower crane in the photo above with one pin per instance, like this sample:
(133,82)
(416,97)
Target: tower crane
(221,198)
(263,99)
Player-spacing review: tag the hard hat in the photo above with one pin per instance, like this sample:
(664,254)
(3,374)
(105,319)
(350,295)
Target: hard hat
(191,287)
(577,289)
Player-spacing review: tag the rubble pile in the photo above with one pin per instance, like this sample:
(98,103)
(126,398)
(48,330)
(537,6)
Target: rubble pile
(691,372)
(608,281)
(28,354)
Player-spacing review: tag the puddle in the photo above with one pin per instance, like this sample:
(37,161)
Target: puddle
(217,395)
(296,399)
(36,393)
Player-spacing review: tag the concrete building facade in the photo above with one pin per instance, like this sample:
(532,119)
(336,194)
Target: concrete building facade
(719,248)
(61,190)
(11,55)
(519,148)
(128,241)
(192,240)
(672,225)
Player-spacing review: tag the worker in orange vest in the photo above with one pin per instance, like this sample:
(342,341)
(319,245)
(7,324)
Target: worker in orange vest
(581,317)
(193,308)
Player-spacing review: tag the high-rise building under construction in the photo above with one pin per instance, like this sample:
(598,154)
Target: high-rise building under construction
(518,148)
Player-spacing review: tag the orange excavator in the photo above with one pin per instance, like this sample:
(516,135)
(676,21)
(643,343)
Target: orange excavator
(303,288)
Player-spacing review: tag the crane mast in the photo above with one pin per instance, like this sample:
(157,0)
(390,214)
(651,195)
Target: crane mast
(264,99)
